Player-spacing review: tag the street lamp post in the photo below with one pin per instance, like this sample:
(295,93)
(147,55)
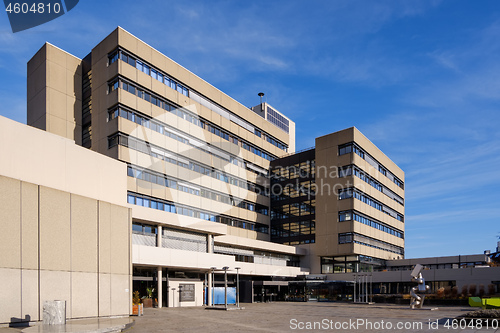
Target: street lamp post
(225,268)
(211,301)
(237,286)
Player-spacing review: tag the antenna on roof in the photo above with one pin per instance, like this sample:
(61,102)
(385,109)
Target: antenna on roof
(261,94)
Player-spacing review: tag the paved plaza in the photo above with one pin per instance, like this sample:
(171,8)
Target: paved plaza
(304,317)
(293,317)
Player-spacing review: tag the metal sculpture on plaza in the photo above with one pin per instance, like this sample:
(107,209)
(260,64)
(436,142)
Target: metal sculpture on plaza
(417,300)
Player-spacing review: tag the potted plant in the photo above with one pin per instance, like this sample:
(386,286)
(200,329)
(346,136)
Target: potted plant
(148,301)
(137,307)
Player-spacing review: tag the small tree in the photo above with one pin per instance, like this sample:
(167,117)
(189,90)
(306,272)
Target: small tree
(491,289)
(481,290)
(472,290)
(465,291)
(447,292)
(440,293)
(454,292)
(136,299)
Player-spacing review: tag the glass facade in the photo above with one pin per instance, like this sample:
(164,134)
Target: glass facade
(293,217)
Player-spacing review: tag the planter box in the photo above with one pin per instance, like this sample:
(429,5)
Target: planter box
(147,302)
(137,310)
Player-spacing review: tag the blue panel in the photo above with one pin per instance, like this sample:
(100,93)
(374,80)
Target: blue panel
(218,295)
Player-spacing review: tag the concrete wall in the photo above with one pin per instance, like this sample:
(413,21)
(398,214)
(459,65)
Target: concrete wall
(64,227)
(56,245)
(55,92)
(173,295)
(50,160)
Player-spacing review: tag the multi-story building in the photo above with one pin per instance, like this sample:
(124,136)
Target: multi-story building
(194,163)
(136,173)
(343,199)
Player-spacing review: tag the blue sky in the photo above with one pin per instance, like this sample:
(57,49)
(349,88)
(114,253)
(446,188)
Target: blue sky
(421,79)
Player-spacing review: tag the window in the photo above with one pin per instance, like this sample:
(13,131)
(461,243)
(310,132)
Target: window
(345,238)
(158,75)
(344,216)
(353,215)
(156,100)
(188,211)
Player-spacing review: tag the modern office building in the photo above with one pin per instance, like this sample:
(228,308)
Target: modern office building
(185,164)
(136,174)
(342,200)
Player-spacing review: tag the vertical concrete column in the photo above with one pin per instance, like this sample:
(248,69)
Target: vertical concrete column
(160,287)
(159,236)
(210,238)
(209,289)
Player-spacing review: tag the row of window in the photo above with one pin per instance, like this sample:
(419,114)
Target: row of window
(305,189)
(270,139)
(170,207)
(350,170)
(169,182)
(157,75)
(305,169)
(352,215)
(351,237)
(162,128)
(293,229)
(260,257)
(354,148)
(158,101)
(143,147)
(354,193)
(275,118)
(171,83)
(292,210)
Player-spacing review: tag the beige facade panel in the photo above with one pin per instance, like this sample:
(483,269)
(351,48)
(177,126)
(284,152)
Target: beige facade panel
(105,232)
(121,297)
(102,49)
(120,240)
(55,231)
(55,285)
(10,289)
(84,229)
(61,229)
(104,294)
(84,294)
(57,75)
(10,217)
(29,295)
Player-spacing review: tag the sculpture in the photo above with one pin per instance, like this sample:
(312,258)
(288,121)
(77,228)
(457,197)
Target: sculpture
(417,300)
